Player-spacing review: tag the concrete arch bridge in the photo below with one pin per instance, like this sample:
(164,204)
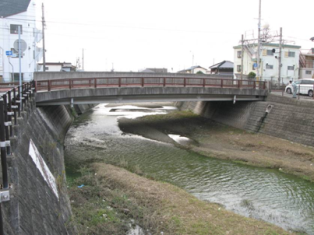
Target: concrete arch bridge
(148,88)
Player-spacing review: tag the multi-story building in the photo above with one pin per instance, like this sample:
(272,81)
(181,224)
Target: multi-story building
(269,61)
(307,64)
(16,14)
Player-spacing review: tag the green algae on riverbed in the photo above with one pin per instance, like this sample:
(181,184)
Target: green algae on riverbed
(224,142)
(167,163)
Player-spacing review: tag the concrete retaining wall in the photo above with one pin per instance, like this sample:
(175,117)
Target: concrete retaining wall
(34,208)
(288,119)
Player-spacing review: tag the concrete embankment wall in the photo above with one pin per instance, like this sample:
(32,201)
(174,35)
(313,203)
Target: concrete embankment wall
(288,119)
(34,208)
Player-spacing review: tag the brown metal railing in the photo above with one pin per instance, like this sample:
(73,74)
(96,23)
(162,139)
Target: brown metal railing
(80,83)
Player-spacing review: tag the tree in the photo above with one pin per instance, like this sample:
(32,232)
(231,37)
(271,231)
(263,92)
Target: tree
(251,75)
(199,72)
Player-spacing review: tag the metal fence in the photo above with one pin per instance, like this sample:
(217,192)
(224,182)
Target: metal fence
(12,102)
(48,85)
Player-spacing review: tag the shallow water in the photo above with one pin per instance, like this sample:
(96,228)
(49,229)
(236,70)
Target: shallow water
(265,194)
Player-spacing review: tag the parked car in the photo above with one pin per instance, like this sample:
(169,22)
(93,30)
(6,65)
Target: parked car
(304,86)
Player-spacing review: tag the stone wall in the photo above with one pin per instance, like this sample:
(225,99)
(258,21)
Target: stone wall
(288,119)
(34,208)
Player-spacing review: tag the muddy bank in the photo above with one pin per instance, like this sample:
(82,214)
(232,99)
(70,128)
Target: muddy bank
(113,195)
(220,141)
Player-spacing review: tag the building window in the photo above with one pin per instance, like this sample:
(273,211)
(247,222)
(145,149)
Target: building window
(238,68)
(270,52)
(291,67)
(239,53)
(291,54)
(14,28)
(269,66)
(16,77)
(308,72)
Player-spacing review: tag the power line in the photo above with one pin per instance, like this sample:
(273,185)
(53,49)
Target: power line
(126,26)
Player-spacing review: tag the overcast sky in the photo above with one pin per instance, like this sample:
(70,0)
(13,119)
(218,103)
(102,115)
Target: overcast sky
(174,34)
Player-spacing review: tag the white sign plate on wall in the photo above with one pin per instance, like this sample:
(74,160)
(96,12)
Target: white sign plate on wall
(43,168)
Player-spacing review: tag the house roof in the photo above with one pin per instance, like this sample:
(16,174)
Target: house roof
(226,64)
(63,64)
(13,7)
(191,68)
(154,70)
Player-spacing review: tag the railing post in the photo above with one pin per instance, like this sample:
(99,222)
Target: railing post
(15,103)
(49,85)
(239,83)
(35,85)
(184,84)
(142,82)
(89,82)
(70,84)
(254,85)
(3,148)
(24,98)
(10,112)
(164,82)
(95,83)
(119,82)
(204,82)
(222,83)
(6,123)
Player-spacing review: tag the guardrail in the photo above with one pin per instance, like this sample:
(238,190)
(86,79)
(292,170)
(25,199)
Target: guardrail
(12,102)
(78,83)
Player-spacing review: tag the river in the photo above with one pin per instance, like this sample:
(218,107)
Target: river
(264,194)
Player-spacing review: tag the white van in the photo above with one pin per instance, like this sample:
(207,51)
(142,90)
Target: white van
(304,86)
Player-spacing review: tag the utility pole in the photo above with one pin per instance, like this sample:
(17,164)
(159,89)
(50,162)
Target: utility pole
(279,58)
(20,72)
(43,28)
(259,41)
(242,52)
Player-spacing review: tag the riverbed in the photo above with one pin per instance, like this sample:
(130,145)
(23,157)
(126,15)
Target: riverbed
(264,194)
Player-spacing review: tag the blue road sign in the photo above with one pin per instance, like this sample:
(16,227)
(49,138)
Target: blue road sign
(255,65)
(8,53)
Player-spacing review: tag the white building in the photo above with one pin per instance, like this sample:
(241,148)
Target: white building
(56,67)
(307,63)
(194,70)
(15,13)
(269,61)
